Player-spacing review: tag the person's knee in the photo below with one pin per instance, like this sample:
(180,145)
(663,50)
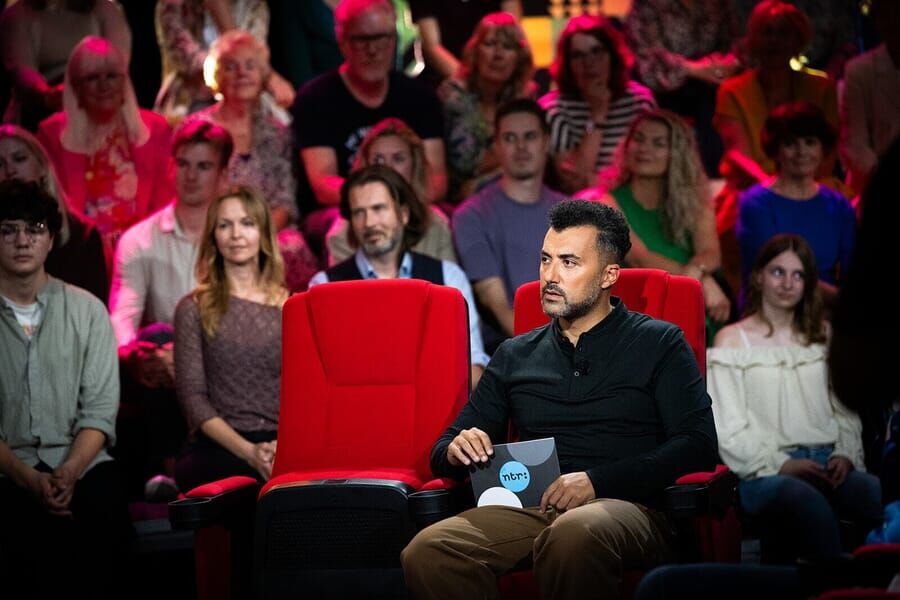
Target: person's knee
(860,495)
(421,554)
(567,538)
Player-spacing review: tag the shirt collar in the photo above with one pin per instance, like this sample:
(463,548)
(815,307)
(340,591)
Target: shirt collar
(52,287)
(368,272)
(618,309)
(167,221)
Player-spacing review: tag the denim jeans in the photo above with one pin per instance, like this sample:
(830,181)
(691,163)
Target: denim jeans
(810,512)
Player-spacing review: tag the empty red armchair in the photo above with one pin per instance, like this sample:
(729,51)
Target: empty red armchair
(372,373)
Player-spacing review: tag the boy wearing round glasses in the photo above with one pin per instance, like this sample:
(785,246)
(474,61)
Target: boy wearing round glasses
(59,394)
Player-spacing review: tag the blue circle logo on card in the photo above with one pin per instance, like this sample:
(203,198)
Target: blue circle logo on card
(514,476)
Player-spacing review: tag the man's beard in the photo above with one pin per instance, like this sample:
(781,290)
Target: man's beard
(570,310)
(376,249)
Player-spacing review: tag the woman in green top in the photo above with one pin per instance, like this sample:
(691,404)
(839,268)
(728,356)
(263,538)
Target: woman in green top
(658,182)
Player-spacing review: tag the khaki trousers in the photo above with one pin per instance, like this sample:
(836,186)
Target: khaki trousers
(580,553)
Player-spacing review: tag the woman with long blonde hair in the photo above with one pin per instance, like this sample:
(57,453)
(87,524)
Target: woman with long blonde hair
(228,345)
(111,156)
(658,182)
(77,255)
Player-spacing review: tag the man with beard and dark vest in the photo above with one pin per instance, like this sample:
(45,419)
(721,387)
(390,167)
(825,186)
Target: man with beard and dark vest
(386,219)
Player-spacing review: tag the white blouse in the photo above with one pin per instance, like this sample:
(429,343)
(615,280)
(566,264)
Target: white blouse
(769,400)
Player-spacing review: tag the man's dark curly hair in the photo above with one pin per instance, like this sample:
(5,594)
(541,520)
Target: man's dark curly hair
(29,202)
(613,235)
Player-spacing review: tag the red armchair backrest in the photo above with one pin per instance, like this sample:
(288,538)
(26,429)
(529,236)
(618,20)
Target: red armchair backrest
(372,374)
(654,292)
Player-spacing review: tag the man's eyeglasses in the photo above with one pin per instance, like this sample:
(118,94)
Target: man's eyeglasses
(377,41)
(9,232)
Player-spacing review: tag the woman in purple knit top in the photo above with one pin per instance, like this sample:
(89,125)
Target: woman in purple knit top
(228,345)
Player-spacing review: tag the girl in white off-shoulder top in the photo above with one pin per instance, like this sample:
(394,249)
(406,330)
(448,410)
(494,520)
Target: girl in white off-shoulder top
(796,448)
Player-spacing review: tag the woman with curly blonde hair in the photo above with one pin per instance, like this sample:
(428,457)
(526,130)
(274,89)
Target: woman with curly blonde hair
(658,182)
(228,345)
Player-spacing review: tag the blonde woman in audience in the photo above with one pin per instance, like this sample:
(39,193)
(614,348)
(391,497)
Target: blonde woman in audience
(496,66)
(262,144)
(111,157)
(77,254)
(228,345)
(37,38)
(781,429)
(185,30)
(391,142)
(659,184)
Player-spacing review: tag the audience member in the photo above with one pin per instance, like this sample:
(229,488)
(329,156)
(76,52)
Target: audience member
(870,113)
(391,142)
(446,25)
(498,230)
(796,448)
(659,184)
(228,345)
(626,426)
(112,157)
(77,254)
(334,111)
(777,32)
(64,513)
(185,30)
(301,36)
(595,101)
(496,67)
(152,271)
(263,147)
(386,220)
(684,51)
(796,137)
(37,39)
(834,27)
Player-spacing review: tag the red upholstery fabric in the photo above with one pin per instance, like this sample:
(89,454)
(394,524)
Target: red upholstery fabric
(443,483)
(684,306)
(407,476)
(654,292)
(221,486)
(870,551)
(372,374)
(701,476)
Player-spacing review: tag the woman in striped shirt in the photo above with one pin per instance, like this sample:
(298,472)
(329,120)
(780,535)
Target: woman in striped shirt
(595,101)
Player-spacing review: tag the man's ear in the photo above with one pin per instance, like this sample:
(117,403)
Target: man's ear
(404,215)
(610,276)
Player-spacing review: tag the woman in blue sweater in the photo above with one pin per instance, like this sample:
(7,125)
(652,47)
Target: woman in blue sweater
(797,136)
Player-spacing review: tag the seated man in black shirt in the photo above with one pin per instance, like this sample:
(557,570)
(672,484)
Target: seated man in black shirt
(622,395)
